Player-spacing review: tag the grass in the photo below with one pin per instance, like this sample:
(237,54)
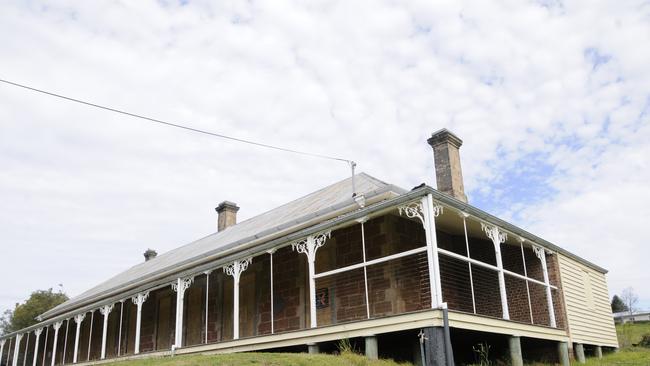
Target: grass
(628,334)
(631,333)
(628,356)
(262,359)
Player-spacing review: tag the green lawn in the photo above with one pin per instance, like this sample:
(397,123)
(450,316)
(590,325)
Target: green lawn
(628,334)
(266,359)
(629,356)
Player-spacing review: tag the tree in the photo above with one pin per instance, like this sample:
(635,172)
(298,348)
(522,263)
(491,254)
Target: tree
(25,314)
(618,305)
(629,299)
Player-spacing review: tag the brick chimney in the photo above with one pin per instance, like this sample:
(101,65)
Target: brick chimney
(446,157)
(149,254)
(227,214)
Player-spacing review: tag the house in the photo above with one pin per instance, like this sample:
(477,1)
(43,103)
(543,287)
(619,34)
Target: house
(631,317)
(416,274)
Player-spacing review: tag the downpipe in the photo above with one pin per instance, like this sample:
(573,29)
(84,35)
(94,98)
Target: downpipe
(449,352)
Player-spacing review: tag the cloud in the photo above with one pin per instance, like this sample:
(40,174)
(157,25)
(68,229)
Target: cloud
(550,98)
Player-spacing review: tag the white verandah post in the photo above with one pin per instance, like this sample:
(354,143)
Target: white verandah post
(65,341)
(47,333)
(77,319)
(180,286)
(523,258)
(38,336)
(2,348)
(9,349)
(138,300)
(26,349)
(207,291)
(469,264)
(105,311)
(119,336)
(235,270)
(309,246)
(426,212)
(14,362)
(56,327)
(498,237)
(90,333)
(365,268)
(271,251)
(541,254)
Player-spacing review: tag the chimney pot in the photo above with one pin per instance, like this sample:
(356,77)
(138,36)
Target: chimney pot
(150,254)
(227,214)
(446,156)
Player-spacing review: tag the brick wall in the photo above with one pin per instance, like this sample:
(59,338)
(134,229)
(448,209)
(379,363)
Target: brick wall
(394,287)
(290,290)
(558,300)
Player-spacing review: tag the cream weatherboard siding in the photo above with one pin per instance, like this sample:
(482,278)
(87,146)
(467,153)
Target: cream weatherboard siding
(586,297)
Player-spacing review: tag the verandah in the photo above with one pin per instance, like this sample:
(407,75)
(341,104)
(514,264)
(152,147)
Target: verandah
(377,265)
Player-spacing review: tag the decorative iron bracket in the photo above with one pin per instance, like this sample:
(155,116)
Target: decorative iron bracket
(236,268)
(495,234)
(416,210)
(185,283)
(539,251)
(140,298)
(106,309)
(57,325)
(79,318)
(310,244)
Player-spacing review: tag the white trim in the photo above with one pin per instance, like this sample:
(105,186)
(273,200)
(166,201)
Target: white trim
(14,361)
(432,213)
(26,348)
(55,342)
(489,266)
(469,264)
(365,268)
(138,300)
(47,333)
(90,333)
(78,319)
(541,254)
(371,262)
(65,341)
(271,251)
(309,246)
(37,332)
(523,258)
(105,311)
(235,269)
(207,291)
(181,285)
(119,336)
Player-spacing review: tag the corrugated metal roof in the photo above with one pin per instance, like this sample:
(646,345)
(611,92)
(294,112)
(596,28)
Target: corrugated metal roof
(281,217)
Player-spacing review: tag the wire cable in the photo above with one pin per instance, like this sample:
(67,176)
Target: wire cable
(115,110)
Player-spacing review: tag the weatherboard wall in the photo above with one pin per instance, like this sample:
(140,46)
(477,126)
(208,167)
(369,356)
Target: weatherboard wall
(586,298)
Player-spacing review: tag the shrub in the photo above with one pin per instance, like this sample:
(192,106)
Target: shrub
(645,340)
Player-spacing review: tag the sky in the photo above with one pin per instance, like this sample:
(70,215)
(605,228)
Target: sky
(551,99)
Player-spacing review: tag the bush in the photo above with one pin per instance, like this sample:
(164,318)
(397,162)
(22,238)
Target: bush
(645,340)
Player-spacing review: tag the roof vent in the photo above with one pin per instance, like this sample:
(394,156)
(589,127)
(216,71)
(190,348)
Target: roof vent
(150,254)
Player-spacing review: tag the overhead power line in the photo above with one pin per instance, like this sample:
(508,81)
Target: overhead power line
(170,124)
